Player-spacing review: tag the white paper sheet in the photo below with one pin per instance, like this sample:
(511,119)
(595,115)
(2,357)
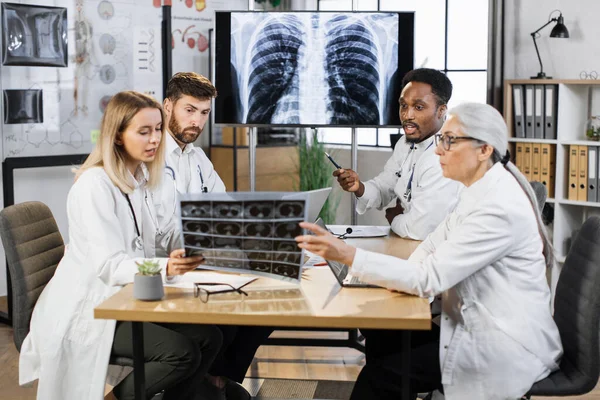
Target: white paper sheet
(188,280)
(360,231)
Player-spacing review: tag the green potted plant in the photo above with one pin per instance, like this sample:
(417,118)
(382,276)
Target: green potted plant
(593,128)
(315,172)
(274,3)
(147,283)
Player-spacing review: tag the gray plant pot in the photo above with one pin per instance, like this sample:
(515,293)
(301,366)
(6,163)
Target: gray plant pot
(148,287)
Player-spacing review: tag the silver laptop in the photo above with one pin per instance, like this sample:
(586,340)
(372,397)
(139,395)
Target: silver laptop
(340,271)
(315,200)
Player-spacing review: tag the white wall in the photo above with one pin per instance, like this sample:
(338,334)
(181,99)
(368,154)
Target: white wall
(562,58)
(49,185)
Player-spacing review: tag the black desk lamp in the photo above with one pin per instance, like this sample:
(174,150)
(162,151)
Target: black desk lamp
(559,31)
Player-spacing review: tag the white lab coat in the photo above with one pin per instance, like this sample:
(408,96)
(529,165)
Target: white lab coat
(187,171)
(432,195)
(497,333)
(67,349)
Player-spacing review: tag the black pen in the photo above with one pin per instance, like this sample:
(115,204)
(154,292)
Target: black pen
(332,161)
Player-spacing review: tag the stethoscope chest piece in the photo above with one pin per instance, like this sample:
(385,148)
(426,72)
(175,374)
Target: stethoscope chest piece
(138,243)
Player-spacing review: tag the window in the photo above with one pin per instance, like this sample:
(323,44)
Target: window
(450,35)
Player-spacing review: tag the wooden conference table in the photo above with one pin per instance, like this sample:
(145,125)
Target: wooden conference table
(318,302)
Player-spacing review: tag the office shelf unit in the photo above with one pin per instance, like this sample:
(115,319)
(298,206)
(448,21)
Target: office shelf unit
(574,109)
(276,164)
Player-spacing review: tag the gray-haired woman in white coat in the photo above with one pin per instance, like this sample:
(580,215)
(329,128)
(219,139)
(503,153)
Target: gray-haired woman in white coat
(488,259)
(111,226)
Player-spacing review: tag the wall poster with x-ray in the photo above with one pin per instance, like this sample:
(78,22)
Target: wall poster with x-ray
(246,232)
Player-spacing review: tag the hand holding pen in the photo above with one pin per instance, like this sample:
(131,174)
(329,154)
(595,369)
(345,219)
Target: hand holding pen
(348,179)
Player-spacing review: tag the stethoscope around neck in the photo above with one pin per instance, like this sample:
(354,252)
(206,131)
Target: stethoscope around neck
(138,242)
(408,192)
(171,172)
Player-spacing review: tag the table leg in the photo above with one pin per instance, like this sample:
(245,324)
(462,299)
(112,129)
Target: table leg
(354,341)
(406,364)
(139,376)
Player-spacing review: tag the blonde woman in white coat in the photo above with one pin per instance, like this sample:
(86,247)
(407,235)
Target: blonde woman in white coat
(111,226)
(488,259)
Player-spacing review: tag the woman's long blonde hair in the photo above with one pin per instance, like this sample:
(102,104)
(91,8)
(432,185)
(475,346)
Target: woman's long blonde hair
(119,112)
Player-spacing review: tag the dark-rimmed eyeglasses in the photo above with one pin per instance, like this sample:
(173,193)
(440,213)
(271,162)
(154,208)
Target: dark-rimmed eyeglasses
(202,293)
(449,140)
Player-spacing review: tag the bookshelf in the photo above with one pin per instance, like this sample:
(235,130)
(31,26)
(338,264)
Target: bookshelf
(575,105)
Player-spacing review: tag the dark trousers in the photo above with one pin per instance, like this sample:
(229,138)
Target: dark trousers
(381,377)
(237,352)
(177,357)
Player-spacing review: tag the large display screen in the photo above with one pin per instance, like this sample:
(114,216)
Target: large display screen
(311,68)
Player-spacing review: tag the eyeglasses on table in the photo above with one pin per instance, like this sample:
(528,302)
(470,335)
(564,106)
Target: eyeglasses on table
(203,294)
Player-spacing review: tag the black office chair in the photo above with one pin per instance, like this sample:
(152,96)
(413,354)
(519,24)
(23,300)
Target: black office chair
(577,315)
(34,247)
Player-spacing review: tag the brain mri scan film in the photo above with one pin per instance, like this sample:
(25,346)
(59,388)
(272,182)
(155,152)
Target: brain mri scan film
(255,235)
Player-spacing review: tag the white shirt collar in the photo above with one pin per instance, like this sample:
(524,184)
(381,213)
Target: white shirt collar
(422,146)
(425,143)
(481,186)
(173,147)
(142,175)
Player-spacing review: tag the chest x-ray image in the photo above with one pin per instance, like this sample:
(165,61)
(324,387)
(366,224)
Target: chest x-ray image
(310,68)
(245,232)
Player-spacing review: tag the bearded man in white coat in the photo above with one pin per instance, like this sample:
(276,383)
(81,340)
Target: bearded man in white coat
(188,170)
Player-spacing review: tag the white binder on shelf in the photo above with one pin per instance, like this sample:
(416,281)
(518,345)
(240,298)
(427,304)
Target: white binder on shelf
(538,120)
(519,110)
(529,111)
(550,111)
(592,186)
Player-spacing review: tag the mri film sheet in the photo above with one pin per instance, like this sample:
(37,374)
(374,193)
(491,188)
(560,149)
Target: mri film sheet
(34,35)
(250,236)
(23,106)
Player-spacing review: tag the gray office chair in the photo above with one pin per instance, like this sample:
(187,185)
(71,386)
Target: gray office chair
(540,193)
(33,247)
(577,315)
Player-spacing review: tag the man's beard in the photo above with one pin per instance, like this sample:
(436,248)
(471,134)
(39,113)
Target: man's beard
(187,135)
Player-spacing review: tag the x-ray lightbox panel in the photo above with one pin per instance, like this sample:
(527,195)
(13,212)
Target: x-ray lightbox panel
(23,106)
(34,35)
(311,68)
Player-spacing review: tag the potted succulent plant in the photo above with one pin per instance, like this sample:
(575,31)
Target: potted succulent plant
(147,283)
